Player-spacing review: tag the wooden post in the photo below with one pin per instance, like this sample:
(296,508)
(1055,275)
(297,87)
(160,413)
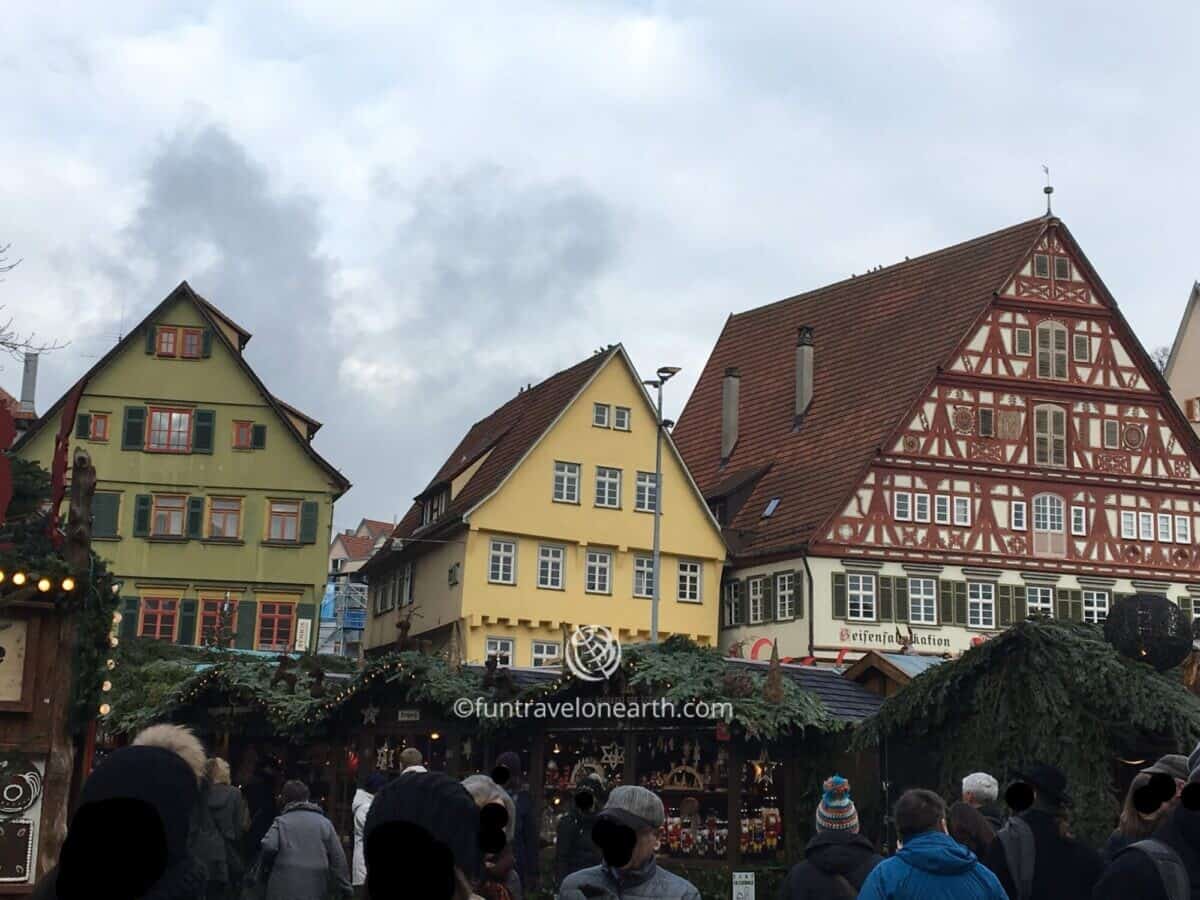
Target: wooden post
(788,808)
(735,801)
(631,748)
(53,688)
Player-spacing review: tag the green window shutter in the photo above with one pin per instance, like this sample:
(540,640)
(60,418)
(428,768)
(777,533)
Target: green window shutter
(258,437)
(742,600)
(1069,605)
(839,595)
(141,515)
(151,338)
(247,619)
(885,599)
(769,598)
(206,343)
(900,597)
(105,514)
(204,423)
(946,602)
(960,602)
(1185,604)
(1004,597)
(798,583)
(83,426)
(1077,606)
(1020,605)
(133,431)
(129,618)
(187,622)
(308,611)
(195,517)
(308,522)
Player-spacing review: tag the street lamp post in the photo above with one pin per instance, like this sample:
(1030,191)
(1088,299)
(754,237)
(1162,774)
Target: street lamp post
(665,373)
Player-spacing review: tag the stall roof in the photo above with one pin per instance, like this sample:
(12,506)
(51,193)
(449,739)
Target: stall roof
(899,667)
(845,700)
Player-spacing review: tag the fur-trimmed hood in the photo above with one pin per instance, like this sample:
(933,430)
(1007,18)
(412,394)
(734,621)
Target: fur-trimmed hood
(179,740)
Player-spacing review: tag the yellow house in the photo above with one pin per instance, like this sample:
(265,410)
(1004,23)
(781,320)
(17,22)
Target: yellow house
(542,517)
(211,504)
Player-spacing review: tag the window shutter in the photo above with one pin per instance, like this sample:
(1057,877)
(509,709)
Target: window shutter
(195,517)
(83,425)
(151,338)
(960,602)
(1020,606)
(839,595)
(798,592)
(204,423)
(141,515)
(105,508)
(133,431)
(1062,606)
(206,343)
(1077,606)
(1185,604)
(308,522)
(946,602)
(885,599)
(742,600)
(247,619)
(769,599)
(258,437)
(1004,597)
(900,598)
(306,611)
(187,622)
(129,618)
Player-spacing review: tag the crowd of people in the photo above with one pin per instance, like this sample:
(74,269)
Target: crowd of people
(425,835)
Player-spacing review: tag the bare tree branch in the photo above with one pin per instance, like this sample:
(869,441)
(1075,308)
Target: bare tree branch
(12,342)
(1161,356)
(5,265)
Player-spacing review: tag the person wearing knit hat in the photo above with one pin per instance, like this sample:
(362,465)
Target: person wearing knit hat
(838,859)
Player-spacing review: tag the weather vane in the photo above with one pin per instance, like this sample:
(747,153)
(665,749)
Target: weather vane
(1048,189)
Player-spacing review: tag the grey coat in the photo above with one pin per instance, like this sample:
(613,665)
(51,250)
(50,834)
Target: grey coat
(306,858)
(648,882)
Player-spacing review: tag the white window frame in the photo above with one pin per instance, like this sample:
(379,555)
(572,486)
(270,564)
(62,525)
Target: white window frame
(1146,529)
(1019,515)
(925,592)
(1079,521)
(920,508)
(1066,260)
(1044,604)
(1051,436)
(962,505)
(545,653)
(785,596)
(643,576)
(941,509)
(552,560)
(981,604)
(689,581)
(493,647)
(1183,529)
(1095,606)
(1166,530)
(1115,442)
(1049,525)
(1018,333)
(732,602)
(608,481)
(566,482)
(861,593)
(598,572)
(755,605)
(501,549)
(1129,525)
(619,413)
(601,415)
(1053,353)
(645,491)
(902,506)
(1040,258)
(1081,338)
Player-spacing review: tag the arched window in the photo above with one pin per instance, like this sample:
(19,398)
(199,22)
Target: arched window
(1050,436)
(1052,350)
(1049,526)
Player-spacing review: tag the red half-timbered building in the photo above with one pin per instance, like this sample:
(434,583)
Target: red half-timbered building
(928,452)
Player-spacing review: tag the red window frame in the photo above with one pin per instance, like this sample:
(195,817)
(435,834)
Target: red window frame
(284,516)
(166,342)
(243,435)
(225,516)
(276,619)
(191,343)
(210,610)
(98,429)
(151,431)
(159,618)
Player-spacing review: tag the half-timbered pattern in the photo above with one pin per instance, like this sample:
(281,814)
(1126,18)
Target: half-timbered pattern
(999,445)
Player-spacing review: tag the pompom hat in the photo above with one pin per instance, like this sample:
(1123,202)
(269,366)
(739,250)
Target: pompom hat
(836,810)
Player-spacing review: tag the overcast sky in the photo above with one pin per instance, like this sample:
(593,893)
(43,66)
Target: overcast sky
(418,208)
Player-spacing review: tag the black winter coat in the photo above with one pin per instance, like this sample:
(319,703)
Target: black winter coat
(1064,868)
(1133,874)
(829,855)
(573,847)
(525,839)
(1115,844)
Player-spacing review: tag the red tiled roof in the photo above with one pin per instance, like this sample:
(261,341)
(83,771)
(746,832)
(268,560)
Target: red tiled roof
(13,405)
(508,432)
(376,528)
(878,340)
(357,547)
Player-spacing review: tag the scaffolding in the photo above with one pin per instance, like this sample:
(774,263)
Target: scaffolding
(343,618)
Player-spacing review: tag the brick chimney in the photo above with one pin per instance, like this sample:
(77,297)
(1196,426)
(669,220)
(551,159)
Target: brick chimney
(804,370)
(730,393)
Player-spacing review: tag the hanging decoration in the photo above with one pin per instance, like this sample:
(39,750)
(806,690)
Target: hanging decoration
(1149,628)
(612,755)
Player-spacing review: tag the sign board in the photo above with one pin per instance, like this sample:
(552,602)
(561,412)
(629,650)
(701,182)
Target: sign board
(743,886)
(409,715)
(303,634)
(20,816)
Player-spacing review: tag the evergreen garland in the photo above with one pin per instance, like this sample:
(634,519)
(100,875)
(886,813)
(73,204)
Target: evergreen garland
(1043,691)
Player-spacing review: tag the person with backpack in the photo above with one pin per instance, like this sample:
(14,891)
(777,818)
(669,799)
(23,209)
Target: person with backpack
(930,865)
(230,818)
(1034,855)
(838,859)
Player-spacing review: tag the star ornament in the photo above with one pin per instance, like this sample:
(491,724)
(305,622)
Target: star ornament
(370,714)
(612,755)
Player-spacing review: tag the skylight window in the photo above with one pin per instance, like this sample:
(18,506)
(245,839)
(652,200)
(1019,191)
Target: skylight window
(772,505)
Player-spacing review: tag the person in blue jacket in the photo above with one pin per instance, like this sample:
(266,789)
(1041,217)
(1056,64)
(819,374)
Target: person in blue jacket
(930,865)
